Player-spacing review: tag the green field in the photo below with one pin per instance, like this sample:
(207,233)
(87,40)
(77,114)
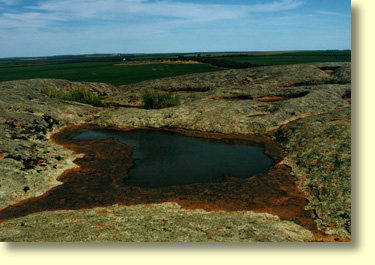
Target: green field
(106,72)
(290,57)
(110,68)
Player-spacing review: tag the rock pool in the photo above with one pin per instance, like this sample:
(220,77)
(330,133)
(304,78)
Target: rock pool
(164,158)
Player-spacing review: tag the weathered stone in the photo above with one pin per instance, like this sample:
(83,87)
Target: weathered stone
(165,222)
(319,153)
(304,107)
(26,121)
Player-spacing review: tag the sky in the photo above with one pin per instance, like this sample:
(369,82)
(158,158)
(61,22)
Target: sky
(60,27)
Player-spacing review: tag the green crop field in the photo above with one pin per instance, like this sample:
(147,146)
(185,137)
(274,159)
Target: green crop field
(106,72)
(112,69)
(289,57)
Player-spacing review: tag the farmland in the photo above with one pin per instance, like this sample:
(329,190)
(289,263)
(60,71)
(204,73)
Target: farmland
(280,58)
(103,72)
(112,69)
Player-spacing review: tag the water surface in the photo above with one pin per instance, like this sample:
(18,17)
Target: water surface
(164,158)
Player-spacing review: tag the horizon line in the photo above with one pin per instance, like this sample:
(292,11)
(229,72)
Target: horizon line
(152,53)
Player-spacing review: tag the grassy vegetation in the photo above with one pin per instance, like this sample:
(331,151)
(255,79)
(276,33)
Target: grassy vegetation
(82,95)
(158,100)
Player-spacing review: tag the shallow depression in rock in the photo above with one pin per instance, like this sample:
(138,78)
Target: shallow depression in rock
(164,158)
(105,164)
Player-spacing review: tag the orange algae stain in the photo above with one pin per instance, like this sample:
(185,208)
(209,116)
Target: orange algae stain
(102,211)
(102,227)
(270,99)
(13,123)
(289,84)
(98,182)
(341,120)
(328,72)
(332,224)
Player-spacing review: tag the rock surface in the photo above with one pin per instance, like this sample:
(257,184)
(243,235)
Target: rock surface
(306,108)
(165,222)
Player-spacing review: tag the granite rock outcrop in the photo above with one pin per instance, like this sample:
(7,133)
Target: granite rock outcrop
(306,108)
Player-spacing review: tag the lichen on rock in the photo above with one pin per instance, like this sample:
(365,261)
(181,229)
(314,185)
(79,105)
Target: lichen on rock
(306,108)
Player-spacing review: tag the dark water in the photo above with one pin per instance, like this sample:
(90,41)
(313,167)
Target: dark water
(164,158)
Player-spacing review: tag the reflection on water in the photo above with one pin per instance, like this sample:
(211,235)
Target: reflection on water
(165,158)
